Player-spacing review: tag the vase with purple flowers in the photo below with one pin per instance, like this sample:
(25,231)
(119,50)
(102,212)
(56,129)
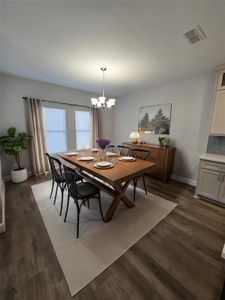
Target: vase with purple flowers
(102,143)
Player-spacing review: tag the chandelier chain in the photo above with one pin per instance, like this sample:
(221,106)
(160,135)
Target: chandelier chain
(103,80)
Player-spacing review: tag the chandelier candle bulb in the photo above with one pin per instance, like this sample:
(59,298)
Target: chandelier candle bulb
(94,101)
(112,101)
(101,100)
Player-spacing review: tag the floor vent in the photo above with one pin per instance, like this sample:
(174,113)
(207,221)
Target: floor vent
(195,35)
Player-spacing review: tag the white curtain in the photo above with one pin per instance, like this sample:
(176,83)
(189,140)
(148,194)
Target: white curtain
(35,121)
(95,124)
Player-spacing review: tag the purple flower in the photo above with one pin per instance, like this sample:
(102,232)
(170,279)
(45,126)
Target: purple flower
(103,142)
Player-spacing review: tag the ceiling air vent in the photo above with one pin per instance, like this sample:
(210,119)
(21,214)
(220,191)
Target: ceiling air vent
(195,35)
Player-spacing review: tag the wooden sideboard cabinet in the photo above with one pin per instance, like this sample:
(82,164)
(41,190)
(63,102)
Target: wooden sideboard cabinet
(162,156)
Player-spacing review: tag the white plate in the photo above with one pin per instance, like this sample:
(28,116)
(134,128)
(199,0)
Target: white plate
(103,164)
(71,153)
(94,150)
(87,158)
(127,158)
(111,154)
(108,166)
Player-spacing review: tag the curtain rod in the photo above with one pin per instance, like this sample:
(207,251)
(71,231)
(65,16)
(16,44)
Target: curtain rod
(25,98)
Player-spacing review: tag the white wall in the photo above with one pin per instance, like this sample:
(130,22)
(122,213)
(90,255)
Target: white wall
(13,114)
(191,107)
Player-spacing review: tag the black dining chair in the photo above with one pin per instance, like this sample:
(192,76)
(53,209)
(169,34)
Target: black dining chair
(139,154)
(58,178)
(81,194)
(123,150)
(111,148)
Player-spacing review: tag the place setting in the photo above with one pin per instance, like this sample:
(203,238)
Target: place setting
(103,165)
(87,159)
(127,158)
(111,154)
(71,153)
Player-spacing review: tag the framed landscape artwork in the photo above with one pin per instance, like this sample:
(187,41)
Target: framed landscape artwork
(155,119)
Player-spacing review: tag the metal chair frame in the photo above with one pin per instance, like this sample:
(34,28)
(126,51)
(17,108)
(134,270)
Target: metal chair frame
(58,178)
(73,191)
(123,150)
(140,154)
(111,148)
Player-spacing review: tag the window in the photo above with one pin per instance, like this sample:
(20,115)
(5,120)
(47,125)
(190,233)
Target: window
(66,127)
(55,129)
(82,128)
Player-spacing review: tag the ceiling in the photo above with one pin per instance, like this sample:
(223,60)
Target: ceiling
(141,43)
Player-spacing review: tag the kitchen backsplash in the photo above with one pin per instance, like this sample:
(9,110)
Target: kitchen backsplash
(216,145)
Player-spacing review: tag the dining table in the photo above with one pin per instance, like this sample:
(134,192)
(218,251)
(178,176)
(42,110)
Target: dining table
(113,180)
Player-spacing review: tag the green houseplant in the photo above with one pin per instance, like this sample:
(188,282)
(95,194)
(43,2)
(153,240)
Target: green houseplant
(12,144)
(162,141)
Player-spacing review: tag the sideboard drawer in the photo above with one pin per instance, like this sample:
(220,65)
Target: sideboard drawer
(211,165)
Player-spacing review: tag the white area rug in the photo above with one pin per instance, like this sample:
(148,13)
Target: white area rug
(100,244)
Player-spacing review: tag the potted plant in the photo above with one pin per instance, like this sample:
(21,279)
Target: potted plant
(102,143)
(13,144)
(162,141)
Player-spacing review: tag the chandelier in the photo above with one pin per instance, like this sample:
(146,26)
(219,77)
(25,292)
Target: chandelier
(102,102)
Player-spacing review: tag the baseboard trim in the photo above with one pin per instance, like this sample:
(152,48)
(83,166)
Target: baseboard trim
(7,178)
(189,181)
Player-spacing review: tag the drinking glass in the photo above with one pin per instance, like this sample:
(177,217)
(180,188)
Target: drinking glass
(113,160)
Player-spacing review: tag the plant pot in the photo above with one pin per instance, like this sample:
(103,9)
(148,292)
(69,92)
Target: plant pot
(19,175)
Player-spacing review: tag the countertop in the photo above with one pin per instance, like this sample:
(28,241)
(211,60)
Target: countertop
(213,157)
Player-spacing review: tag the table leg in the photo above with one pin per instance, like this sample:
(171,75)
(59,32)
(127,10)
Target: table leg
(112,208)
(122,189)
(127,201)
(119,196)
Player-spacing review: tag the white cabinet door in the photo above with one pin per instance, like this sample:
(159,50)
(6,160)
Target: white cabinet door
(218,116)
(221,197)
(209,184)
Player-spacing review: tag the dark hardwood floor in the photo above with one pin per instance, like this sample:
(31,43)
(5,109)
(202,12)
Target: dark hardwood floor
(178,259)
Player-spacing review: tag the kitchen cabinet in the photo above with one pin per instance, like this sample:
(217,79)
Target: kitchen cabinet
(221,80)
(211,181)
(209,184)
(221,197)
(218,115)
